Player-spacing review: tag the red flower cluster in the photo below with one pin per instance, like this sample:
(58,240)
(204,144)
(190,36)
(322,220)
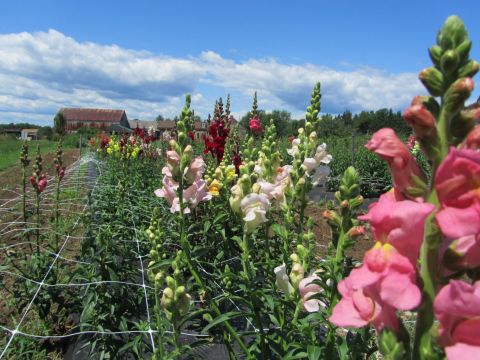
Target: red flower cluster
(217,137)
(39,185)
(146,137)
(255,125)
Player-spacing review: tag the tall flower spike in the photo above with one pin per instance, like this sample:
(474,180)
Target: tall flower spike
(450,78)
(254,123)
(314,109)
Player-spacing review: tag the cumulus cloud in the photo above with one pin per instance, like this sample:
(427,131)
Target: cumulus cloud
(41,72)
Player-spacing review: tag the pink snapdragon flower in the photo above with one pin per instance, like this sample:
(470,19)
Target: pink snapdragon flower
(196,193)
(308,289)
(294,149)
(420,119)
(193,194)
(254,208)
(195,170)
(457,308)
(169,192)
(399,223)
(372,293)
(457,182)
(386,144)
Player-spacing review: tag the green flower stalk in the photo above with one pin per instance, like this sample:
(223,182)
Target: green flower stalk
(307,156)
(25,162)
(185,153)
(345,231)
(439,125)
(39,182)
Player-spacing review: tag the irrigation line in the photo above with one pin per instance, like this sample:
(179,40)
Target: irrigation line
(93,332)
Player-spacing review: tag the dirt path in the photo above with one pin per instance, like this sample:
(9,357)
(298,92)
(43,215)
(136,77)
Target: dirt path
(10,179)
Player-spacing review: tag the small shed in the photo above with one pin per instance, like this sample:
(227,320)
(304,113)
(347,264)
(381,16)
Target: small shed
(29,134)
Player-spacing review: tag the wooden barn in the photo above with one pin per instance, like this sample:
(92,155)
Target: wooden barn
(76,118)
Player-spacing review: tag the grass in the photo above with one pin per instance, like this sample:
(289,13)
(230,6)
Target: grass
(10,150)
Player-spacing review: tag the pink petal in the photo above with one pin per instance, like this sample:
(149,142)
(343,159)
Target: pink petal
(462,351)
(399,291)
(345,314)
(468,331)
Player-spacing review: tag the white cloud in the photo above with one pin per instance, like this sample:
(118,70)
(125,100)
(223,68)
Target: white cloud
(41,72)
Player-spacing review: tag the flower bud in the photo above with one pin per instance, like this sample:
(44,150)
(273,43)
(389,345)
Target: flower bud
(158,278)
(356,202)
(453,33)
(356,231)
(170,282)
(435,53)
(296,275)
(180,291)
(294,257)
(432,79)
(464,49)
(183,304)
(469,69)
(472,140)
(449,61)
(421,120)
(457,93)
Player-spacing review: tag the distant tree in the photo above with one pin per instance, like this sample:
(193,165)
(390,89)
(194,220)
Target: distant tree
(59,124)
(159,118)
(281,118)
(45,132)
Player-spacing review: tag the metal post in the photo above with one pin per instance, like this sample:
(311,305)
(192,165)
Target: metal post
(79,157)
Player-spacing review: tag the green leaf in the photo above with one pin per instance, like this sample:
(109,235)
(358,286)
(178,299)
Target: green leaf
(220,319)
(313,352)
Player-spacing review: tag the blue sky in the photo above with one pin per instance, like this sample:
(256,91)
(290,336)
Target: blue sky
(144,55)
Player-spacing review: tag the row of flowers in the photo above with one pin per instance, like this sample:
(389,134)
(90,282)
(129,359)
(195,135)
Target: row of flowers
(427,234)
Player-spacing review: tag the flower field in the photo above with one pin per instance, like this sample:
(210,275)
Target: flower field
(174,248)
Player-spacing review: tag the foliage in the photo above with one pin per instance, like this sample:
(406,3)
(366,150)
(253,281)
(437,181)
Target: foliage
(59,124)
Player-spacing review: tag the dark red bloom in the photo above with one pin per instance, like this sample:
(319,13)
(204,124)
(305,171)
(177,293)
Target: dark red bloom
(217,137)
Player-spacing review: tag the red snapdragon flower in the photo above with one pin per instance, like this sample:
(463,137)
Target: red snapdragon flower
(217,137)
(39,185)
(255,125)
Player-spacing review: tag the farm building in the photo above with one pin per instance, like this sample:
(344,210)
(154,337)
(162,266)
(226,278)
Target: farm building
(29,134)
(142,124)
(169,125)
(200,129)
(76,118)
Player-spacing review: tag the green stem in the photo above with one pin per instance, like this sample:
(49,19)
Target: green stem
(38,222)
(297,312)
(443,135)
(57,215)
(186,250)
(158,316)
(24,206)
(429,270)
(250,287)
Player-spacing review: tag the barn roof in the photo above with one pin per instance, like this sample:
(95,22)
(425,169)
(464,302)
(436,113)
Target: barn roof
(166,124)
(82,114)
